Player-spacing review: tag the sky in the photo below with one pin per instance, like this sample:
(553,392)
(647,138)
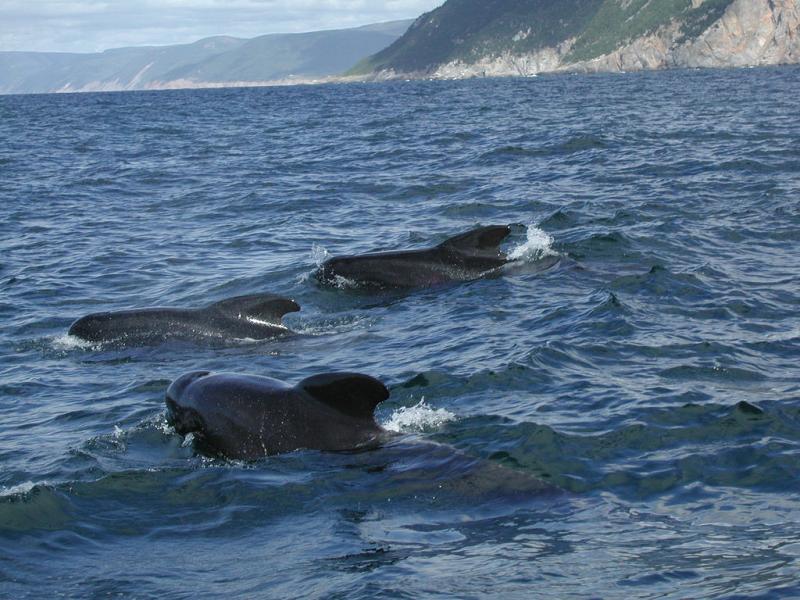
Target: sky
(97,25)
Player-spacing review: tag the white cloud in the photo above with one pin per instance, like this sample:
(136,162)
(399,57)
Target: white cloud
(94,25)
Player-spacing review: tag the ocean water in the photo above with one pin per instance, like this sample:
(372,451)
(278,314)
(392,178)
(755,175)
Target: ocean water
(641,354)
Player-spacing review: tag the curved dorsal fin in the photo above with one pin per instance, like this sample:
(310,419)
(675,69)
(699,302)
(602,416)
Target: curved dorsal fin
(352,394)
(483,241)
(263,307)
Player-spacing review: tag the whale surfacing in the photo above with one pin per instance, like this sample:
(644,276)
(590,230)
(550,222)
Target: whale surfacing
(247,417)
(255,316)
(465,257)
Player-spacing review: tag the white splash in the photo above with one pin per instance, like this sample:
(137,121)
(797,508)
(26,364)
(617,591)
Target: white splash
(538,245)
(162,425)
(418,418)
(71,342)
(319,254)
(343,283)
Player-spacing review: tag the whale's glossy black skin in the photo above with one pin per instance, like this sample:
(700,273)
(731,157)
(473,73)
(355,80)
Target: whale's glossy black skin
(244,317)
(248,417)
(467,256)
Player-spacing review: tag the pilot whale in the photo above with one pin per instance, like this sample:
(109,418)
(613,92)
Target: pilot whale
(464,257)
(255,316)
(246,417)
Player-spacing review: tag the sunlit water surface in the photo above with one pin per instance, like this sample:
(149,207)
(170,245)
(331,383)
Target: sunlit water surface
(642,354)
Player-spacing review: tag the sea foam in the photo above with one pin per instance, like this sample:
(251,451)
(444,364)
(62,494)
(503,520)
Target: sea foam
(71,342)
(418,418)
(538,244)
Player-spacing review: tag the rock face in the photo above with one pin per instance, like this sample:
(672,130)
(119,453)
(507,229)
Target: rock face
(618,35)
(749,33)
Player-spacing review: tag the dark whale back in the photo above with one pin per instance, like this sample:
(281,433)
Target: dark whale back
(255,316)
(249,417)
(482,243)
(464,257)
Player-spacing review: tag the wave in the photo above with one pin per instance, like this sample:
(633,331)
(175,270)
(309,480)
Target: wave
(29,506)
(654,451)
(572,145)
(19,489)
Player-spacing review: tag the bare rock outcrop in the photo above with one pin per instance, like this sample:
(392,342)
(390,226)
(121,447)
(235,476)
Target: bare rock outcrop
(749,33)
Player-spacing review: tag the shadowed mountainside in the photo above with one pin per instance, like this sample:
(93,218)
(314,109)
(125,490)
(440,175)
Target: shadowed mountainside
(215,61)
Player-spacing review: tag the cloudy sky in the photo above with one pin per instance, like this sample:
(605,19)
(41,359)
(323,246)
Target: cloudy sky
(95,25)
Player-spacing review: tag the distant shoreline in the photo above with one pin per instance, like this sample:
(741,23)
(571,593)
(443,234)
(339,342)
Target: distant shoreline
(372,78)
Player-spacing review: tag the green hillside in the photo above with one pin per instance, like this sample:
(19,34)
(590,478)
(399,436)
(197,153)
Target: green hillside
(468,30)
(619,22)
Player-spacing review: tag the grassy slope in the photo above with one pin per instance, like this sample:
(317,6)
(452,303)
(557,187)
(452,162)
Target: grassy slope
(471,29)
(615,24)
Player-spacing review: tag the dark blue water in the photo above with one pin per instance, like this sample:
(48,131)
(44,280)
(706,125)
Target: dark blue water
(650,369)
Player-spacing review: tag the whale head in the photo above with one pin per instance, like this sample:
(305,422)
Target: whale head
(181,416)
(339,271)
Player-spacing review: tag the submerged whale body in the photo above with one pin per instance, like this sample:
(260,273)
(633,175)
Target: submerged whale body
(256,316)
(464,257)
(248,417)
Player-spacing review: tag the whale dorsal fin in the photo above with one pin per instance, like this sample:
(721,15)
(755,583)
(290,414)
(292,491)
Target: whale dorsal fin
(483,241)
(263,307)
(352,394)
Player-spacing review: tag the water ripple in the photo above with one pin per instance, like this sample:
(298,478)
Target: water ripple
(616,414)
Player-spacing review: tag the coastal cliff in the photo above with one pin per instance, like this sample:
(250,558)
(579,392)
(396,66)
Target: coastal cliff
(527,37)
(749,33)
